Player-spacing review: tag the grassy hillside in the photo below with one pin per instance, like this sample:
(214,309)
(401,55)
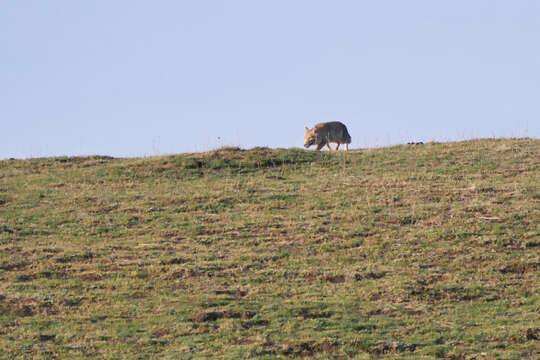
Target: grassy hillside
(415,251)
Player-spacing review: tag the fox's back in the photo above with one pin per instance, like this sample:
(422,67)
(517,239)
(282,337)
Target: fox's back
(333,131)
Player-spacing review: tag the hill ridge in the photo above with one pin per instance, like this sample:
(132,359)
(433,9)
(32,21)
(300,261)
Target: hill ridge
(406,251)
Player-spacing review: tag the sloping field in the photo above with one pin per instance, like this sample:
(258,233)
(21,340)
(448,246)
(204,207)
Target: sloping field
(415,251)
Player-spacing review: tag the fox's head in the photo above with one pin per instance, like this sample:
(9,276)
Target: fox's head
(310,138)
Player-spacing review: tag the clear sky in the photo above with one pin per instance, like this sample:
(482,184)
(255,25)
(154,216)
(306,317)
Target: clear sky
(136,78)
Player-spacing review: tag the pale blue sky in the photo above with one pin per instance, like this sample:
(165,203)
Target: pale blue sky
(135,78)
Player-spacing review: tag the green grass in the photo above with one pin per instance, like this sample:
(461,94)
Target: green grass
(428,251)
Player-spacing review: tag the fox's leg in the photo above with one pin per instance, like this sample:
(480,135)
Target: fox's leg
(319,147)
(337,146)
(328,146)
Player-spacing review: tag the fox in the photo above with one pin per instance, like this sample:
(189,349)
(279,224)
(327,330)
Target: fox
(325,133)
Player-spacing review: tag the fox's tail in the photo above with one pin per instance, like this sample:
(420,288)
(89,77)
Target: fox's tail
(347,137)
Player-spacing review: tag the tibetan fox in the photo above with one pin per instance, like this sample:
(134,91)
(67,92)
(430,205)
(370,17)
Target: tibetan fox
(325,133)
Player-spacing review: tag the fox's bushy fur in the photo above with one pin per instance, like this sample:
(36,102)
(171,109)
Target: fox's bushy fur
(325,133)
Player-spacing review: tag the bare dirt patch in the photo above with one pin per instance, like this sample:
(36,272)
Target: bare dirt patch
(29,307)
(397,347)
(216,315)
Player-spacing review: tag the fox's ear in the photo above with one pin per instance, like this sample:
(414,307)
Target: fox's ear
(307,129)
